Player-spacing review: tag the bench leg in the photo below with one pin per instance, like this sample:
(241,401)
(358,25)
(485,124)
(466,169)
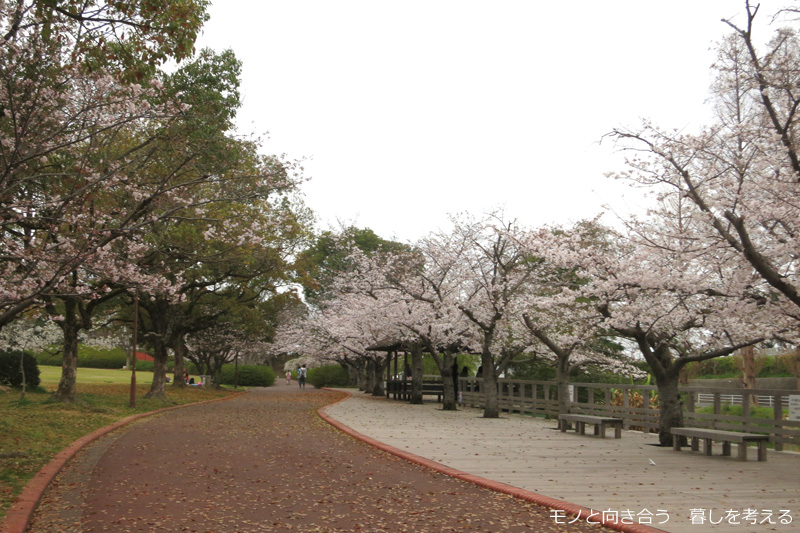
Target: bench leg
(563,425)
(695,444)
(600,429)
(580,427)
(743,451)
(707,446)
(676,443)
(726,448)
(762,450)
(618,430)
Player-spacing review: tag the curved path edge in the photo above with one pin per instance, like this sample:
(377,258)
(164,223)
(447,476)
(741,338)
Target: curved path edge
(569,508)
(20,513)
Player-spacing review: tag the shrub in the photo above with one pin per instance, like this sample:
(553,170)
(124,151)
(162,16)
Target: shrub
(49,357)
(10,373)
(719,367)
(145,366)
(90,357)
(249,375)
(328,376)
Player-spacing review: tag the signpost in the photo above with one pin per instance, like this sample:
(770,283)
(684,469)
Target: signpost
(794,407)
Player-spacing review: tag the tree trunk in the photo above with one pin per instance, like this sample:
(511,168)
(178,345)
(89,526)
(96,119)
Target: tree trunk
(180,364)
(358,371)
(378,367)
(562,384)
(669,405)
(449,397)
(158,388)
(417,371)
(22,373)
(369,376)
(666,371)
(353,375)
(491,407)
(67,385)
(749,372)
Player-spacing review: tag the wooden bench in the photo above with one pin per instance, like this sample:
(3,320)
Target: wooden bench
(402,389)
(727,437)
(433,389)
(600,424)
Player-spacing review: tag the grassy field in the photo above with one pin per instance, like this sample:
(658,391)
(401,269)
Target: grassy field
(50,376)
(34,430)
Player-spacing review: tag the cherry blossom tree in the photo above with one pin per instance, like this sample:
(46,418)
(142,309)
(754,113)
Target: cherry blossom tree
(70,130)
(416,295)
(494,275)
(131,38)
(741,174)
(31,335)
(429,285)
(343,331)
(566,325)
(217,345)
(76,141)
(679,297)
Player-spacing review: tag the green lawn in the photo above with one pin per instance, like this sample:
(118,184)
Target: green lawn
(34,430)
(51,375)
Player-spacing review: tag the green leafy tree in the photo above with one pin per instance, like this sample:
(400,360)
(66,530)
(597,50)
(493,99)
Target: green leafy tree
(328,254)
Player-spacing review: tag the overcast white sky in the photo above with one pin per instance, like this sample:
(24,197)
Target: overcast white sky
(408,111)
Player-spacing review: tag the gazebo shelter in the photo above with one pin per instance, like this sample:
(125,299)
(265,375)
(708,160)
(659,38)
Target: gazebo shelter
(398,382)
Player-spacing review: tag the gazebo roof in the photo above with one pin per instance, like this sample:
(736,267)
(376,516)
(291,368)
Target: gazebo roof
(388,344)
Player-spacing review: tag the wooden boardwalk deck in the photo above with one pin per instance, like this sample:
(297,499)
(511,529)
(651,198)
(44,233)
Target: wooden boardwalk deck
(616,475)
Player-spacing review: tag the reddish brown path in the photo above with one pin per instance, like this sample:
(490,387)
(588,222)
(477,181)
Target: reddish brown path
(265,461)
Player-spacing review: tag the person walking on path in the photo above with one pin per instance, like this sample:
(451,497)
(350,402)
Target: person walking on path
(288,377)
(240,474)
(301,376)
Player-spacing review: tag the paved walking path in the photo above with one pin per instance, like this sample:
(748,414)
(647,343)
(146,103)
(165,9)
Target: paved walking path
(265,461)
(609,474)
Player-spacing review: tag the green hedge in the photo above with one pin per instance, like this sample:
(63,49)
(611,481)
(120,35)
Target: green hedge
(144,366)
(726,367)
(88,357)
(49,358)
(249,376)
(327,376)
(10,372)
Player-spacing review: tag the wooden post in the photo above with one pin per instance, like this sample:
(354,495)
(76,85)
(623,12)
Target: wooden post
(135,329)
(777,410)
(626,404)
(717,408)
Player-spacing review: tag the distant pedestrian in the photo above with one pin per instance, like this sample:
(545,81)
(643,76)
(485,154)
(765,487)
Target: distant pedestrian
(288,377)
(301,376)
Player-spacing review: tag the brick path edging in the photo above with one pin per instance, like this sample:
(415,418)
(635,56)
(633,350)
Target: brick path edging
(569,508)
(20,513)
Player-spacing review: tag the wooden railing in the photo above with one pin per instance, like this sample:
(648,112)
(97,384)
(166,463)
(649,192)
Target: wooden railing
(514,396)
(780,430)
(637,405)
